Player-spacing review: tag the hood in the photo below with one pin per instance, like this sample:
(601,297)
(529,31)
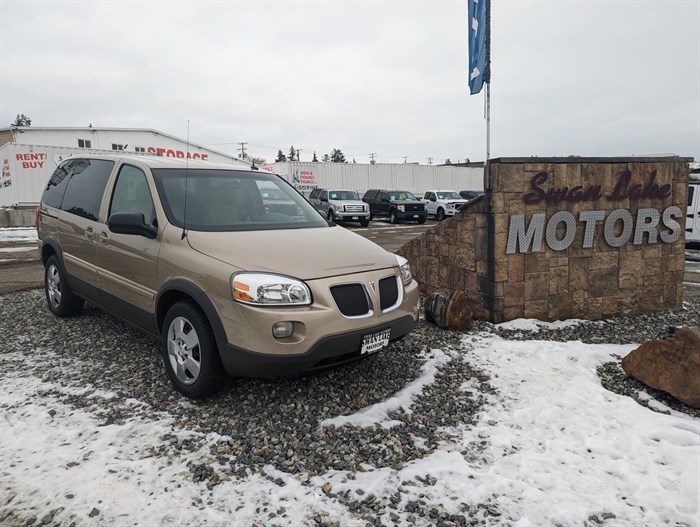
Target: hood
(407,202)
(306,254)
(457,201)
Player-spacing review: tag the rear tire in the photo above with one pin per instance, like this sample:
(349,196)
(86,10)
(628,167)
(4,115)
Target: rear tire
(190,353)
(59,297)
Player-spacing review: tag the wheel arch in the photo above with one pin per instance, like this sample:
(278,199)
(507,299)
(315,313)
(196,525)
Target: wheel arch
(183,290)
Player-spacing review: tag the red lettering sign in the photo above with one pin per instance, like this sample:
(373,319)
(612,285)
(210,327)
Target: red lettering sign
(167,152)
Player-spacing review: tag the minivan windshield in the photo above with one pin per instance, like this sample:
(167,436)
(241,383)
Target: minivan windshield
(232,200)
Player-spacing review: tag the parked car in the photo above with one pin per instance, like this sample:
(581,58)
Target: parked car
(339,205)
(398,205)
(191,252)
(470,194)
(442,203)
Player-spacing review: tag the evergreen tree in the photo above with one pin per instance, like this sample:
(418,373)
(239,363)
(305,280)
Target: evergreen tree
(447,161)
(281,158)
(293,154)
(337,156)
(315,159)
(326,158)
(22,120)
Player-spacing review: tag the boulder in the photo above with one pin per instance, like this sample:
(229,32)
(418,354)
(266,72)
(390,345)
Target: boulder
(450,310)
(671,365)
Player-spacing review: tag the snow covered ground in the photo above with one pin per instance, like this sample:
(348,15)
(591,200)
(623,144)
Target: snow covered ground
(556,448)
(18,234)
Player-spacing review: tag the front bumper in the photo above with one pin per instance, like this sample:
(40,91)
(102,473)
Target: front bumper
(411,215)
(326,353)
(351,216)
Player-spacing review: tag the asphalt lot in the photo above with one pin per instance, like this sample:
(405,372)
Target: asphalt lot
(20,268)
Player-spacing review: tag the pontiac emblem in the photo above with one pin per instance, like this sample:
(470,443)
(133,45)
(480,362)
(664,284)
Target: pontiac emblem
(371,284)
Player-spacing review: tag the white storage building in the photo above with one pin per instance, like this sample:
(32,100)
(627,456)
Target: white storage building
(359,176)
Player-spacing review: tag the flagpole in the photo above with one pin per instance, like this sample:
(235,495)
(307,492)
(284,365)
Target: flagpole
(487,168)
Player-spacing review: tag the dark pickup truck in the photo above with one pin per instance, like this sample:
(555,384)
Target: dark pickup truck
(398,205)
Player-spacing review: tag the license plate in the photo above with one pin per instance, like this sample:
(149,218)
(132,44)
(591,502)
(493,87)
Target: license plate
(354,218)
(375,341)
(416,215)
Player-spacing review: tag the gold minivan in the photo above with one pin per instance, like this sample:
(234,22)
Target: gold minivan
(231,268)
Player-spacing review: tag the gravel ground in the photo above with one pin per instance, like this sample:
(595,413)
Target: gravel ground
(275,422)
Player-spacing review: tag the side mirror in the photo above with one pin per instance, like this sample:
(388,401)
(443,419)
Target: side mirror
(131,223)
(433,198)
(324,200)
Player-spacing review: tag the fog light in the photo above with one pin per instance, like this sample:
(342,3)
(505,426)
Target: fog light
(282,330)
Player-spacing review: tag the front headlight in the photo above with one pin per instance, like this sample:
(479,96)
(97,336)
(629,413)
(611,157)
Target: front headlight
(405,269)
(401,208)
(261,289)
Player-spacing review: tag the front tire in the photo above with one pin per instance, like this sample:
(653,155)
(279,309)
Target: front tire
(59,297)
(392,217)
(440,214)
(190,353)
(364,223)
(331,216)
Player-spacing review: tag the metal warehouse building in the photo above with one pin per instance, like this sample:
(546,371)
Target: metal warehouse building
(358,176)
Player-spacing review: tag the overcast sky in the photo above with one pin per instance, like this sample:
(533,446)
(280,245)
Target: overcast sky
(569,77)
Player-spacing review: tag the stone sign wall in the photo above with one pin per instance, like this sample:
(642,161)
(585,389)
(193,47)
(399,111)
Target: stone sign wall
(564,238)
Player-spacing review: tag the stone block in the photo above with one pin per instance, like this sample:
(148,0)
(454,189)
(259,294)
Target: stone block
(516,268)
(558,280)
(513,294)
(603,283)
(578,274)
(560,306)
(536,286)
(610,306)
(538,309)
(511,313)
(602,261)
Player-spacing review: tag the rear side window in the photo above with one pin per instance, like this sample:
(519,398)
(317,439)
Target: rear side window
(691,191)
(56,187)
(86,186)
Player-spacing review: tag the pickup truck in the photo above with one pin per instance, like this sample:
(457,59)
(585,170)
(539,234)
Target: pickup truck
(442,203)
(398,205)
(340,205)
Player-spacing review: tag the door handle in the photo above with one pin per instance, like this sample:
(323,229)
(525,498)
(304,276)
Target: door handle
(104,238)
(90,233)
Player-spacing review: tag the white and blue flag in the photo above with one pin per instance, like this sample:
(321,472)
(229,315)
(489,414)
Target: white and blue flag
(478,42)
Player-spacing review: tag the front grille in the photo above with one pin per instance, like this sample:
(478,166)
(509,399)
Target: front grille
(351,299)
(388,292)
(414,208)
(354,208)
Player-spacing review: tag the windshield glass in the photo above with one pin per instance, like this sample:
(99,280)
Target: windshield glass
(399,195)
(343,195)
(450,194)
(231,200)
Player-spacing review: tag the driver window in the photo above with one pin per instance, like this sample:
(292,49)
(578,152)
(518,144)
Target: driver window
(131,194)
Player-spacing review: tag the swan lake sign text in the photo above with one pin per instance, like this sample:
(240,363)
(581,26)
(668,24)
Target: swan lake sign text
(618,227)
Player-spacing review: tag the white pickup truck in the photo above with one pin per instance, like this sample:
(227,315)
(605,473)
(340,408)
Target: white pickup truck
(442,203)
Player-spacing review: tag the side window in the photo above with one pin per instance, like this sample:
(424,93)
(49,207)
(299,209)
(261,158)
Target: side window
(131,194)
(314,193)
(691,191)
(324,195)
(86,186)
(56,187)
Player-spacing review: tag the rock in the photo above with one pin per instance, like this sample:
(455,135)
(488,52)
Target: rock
(447,309)
(326,488)
(671,365)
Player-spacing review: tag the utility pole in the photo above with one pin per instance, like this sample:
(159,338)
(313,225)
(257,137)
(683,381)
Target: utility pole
(242,150)
(371,158)
(297,151)
(430,160)
(405,158)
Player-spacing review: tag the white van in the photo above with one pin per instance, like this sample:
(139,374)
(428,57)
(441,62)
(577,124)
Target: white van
(692,222)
